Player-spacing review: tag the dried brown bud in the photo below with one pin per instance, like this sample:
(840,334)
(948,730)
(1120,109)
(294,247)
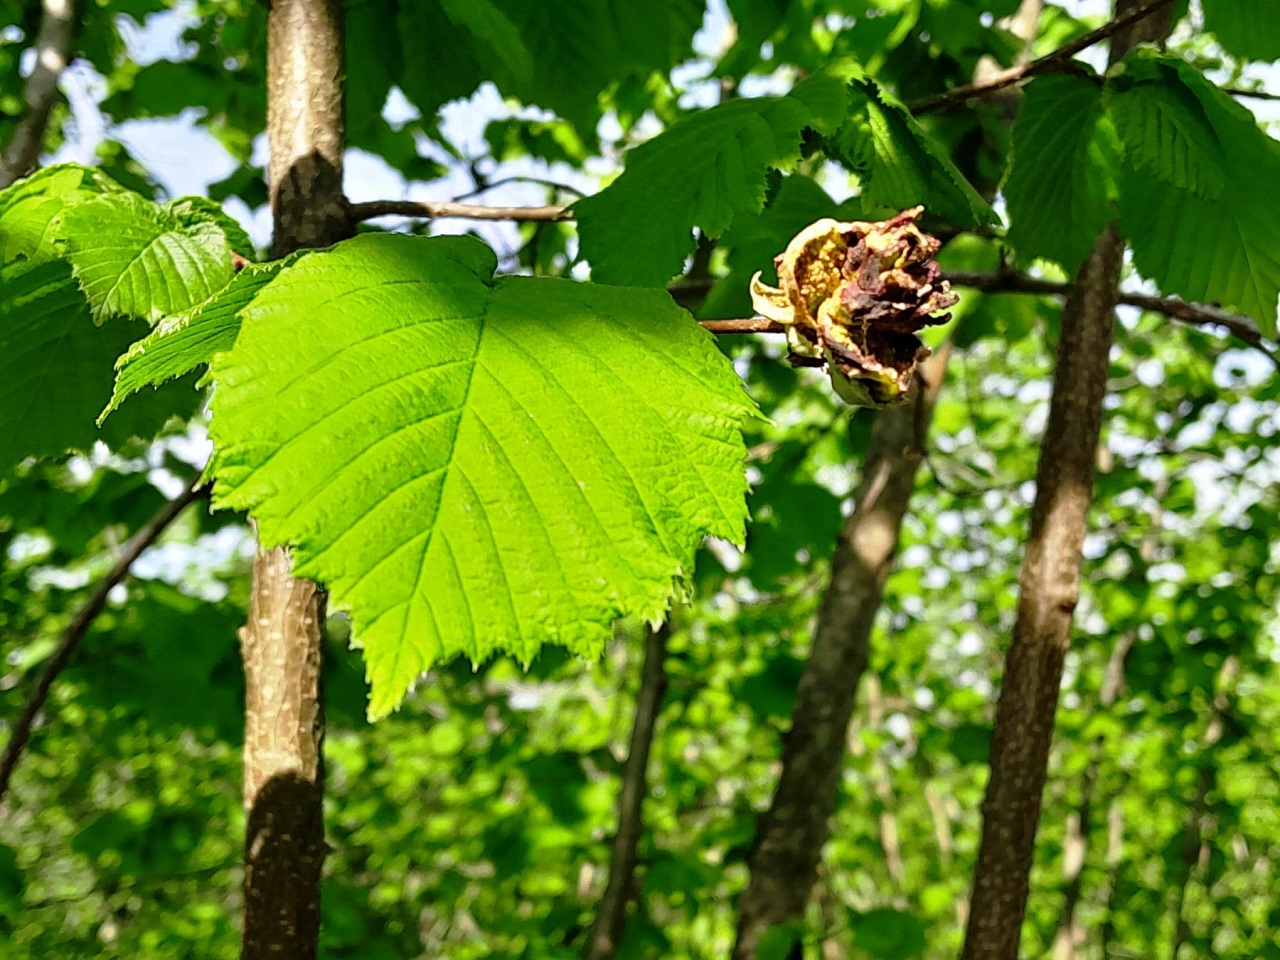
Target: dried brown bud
(852,296)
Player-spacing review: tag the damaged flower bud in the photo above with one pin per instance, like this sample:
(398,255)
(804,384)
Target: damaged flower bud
(852,296)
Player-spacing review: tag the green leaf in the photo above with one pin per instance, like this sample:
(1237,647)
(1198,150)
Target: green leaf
(491,26)
(474,465)
(1247,29)
(1061,184)
(134,258)
(55,365)
(901,165)
(192,211)
(185,341)
(703,171)
(826,97)
(28,207)
(1164,129)
(1219,249)
(439,60)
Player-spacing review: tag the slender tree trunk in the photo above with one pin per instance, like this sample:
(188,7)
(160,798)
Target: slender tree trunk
(791,834)
(1048,589)
(53,49)
(1049,586)
(602,942)
(283,775)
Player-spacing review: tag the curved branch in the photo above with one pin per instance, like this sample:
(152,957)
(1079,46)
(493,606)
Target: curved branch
(433,210)
(147,535)
(1059,59)
(53,53)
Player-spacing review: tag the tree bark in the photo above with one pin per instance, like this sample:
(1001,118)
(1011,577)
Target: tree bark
(602,943)
(1049,584)
(53,53)
(784,863)
(1049,587)
(281,644)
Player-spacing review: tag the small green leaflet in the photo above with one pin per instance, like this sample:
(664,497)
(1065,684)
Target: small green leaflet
(135,258)
(473,465)
(189,340)
(1061,186)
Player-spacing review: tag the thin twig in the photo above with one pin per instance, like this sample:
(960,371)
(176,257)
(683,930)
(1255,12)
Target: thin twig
(1057,60)
(1250,94)
(80,623)
(1242,328)
(53,53)
(603,940)
(433,210)
(504,181)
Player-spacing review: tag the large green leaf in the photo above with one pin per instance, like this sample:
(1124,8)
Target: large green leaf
(474,465)
(703,171)
(1219,247)
(135,258)
(1248,29)
(55,365)
(1061,185)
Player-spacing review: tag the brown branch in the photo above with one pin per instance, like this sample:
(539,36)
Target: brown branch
(607,928)
(1240,327)
(518,178)
(146,535)
(433,210)
(282,641)
(53,53)
(1057,60)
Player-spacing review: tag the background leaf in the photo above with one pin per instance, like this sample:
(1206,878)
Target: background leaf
(1062,180)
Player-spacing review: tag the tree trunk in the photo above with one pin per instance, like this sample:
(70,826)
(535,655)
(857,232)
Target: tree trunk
(789,844)
(602,943)
(1049,586)
(53,49)
(283,779)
